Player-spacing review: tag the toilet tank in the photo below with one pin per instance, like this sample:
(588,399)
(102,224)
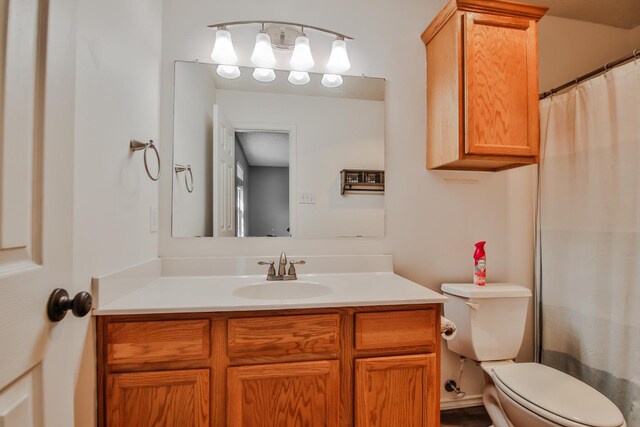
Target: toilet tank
(489,319)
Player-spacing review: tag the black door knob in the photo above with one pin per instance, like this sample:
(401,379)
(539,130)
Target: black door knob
(59,303)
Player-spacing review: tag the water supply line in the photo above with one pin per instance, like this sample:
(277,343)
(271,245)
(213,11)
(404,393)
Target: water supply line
(456,386)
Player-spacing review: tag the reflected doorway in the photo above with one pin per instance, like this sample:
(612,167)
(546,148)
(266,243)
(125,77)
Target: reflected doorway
(262,184)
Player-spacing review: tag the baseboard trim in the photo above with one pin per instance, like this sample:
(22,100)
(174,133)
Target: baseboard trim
(463,402)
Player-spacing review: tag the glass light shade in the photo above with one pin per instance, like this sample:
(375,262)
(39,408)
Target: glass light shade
(264,75)
(338,60)
(262,55)
(228,71)
(332,80)
(301,59)
(223,52)
(299,78)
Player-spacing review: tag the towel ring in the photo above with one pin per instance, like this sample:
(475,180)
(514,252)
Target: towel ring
(185,169)
(135,145)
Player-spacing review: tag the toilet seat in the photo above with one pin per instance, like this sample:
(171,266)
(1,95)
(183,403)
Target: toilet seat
(556,396)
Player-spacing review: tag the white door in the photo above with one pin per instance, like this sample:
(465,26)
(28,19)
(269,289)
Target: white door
(224,177)
(37,62)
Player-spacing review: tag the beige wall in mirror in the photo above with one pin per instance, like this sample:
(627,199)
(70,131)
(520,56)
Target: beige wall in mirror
(266,157)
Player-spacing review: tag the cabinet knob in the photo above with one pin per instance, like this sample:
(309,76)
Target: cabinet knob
(59,303)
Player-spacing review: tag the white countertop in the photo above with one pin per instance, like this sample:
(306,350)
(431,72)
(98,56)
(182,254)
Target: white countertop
(190,294)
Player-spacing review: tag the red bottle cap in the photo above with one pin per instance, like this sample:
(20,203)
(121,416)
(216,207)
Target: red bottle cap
(479,253)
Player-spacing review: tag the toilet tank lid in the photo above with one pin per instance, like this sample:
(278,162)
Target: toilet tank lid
(490,290)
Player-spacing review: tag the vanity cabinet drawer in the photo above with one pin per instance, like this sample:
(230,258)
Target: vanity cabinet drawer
(284,336)
(158,341)
(395,329)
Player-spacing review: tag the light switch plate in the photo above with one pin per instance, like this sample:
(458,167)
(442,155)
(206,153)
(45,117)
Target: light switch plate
(153,219)
(307,198)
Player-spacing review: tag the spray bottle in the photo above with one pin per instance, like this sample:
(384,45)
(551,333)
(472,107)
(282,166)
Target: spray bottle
(480,265)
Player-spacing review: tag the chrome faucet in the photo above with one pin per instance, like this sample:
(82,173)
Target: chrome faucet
(282,274)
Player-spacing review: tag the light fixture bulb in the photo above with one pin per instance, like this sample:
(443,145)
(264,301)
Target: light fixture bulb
(338,60)
(262,55)
(264,75)
(332,80)
(301,59)
(299,78)
(228,71)
(223,52)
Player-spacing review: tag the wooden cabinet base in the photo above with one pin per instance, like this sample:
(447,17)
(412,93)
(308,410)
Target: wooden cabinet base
(312,367)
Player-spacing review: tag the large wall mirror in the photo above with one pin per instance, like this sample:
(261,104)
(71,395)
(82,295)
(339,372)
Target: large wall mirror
(256,159)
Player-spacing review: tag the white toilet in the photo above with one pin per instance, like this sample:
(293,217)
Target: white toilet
(490,324)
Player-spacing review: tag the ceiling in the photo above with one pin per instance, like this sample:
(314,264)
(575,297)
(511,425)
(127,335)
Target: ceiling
(269,149)
(616,13)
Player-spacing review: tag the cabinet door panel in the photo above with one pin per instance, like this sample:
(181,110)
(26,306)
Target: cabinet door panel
(397,391)
(286,394)
(501,85)
(167,398)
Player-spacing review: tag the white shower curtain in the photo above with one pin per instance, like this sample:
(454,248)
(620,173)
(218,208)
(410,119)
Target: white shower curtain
(589,231)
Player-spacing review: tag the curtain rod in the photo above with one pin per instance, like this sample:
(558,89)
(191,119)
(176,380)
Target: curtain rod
(631,57)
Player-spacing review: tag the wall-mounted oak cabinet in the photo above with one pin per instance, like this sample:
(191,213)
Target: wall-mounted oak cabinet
(482,86)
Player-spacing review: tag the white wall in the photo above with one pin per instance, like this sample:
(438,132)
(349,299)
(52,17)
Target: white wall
(331,134)
(570,48)
(117,98)
(432,218)
(634,36)
(193,133)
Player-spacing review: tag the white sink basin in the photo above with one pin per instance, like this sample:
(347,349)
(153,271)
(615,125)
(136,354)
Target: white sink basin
(294,289)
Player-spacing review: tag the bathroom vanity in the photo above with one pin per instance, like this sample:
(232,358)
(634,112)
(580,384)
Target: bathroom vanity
(196,351)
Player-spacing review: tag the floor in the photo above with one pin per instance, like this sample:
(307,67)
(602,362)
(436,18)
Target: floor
(466,417)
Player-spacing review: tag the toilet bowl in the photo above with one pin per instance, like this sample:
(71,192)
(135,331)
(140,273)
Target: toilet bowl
(490,326)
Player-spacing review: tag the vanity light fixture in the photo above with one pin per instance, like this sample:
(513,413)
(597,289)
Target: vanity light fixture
(262,55)
(338,60)
(263,58)
(331,80)
(301,59)
(264,75)
(228,71)
(299,78)
(284,36)
(224,54)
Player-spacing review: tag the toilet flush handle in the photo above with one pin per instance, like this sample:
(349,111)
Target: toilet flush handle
(473,305)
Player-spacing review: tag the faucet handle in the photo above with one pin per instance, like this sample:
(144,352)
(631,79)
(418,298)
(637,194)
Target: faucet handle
(292,268)
(272,270)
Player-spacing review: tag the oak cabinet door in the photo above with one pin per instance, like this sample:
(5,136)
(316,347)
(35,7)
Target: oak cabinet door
(398,391)
(158,399)
(501,85)
(305,394)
